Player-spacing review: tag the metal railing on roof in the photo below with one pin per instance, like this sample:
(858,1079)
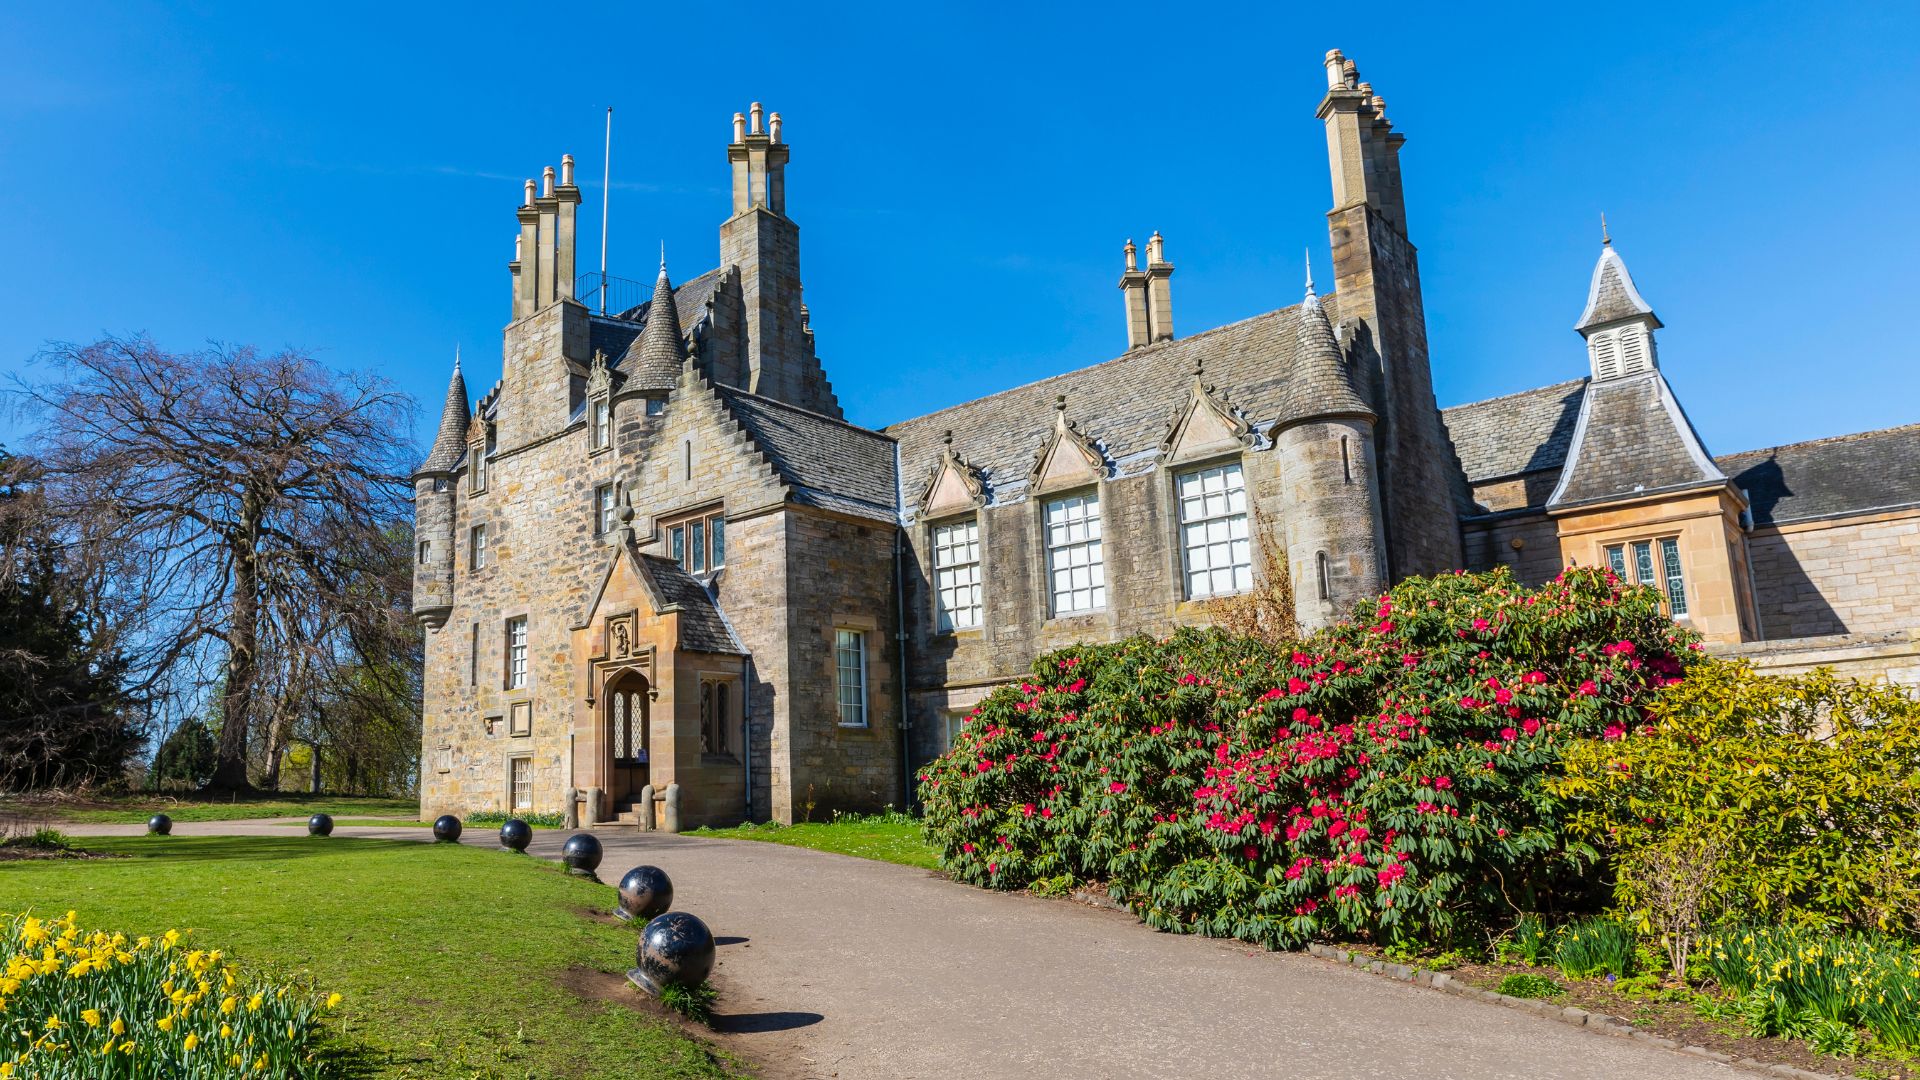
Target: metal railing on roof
(609,295)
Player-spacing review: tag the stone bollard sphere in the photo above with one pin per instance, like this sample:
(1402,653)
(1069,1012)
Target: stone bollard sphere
(676,949)
(582,853)
(645,892)
(515,835)
(446,829)
(320,825)
(159,824)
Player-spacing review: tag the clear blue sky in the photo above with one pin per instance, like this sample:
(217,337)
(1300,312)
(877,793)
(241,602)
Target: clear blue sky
(344,179)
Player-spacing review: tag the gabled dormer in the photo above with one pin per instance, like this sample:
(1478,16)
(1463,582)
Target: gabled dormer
(1617,323)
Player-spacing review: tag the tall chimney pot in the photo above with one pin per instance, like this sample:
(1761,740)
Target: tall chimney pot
(1336,77)
(773,127)
(529,201)
(755,110)
(566,170)
(546,182)
(739,127)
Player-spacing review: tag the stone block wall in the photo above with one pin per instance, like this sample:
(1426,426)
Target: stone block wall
(1852,575)
(1490,542)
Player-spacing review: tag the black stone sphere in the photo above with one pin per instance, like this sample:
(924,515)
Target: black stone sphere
(646,891)
(676,949)
(320,825)
(159,824)
(582,853)
(515,835)
(446,829)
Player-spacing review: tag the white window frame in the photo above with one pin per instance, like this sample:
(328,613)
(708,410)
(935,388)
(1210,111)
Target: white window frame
(600,423)
(516,673)
(1223,521)
(1071,527)
(956,575)
(848,641)
(603,508)
(516,765)
(477,547)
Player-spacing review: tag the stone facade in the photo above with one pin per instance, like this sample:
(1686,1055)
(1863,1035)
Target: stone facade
(664,580)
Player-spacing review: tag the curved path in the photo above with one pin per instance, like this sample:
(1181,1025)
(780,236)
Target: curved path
(833,966)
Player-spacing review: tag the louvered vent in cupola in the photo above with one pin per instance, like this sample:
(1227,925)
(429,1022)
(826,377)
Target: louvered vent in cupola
(1633,350)
(1606,357)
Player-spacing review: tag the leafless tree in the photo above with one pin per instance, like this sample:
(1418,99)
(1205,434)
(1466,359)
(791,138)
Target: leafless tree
(1673,883)
(223,501)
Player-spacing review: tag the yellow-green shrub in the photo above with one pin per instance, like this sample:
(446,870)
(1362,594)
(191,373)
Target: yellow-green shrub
(1802,794)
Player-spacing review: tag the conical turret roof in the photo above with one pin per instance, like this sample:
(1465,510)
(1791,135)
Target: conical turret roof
(1318,385)
(655,357)
(451,441)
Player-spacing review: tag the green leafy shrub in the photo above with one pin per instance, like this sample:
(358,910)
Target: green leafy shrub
(1784,799)
(1788,980)
(1528,985)
(1594,947)
(495,819)
(1385,777)
(1528,942)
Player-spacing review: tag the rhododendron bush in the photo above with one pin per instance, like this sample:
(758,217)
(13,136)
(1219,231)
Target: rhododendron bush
(1384,777)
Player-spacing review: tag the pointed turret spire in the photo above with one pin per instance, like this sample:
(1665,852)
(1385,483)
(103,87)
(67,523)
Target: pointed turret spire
(1312,297)
(1617,323)
(1611,295)
(1318,385)
(451,441)
(658,353)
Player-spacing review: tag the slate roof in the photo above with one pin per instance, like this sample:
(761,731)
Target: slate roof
(1632,439)
(1124,404)
(825,462)
(702,628)
(450,442)
(1318,382)
(1515,434)
(1611,295)
(1850,474)
(614,334)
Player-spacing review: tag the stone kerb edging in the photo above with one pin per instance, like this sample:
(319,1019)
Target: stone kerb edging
(1601,1022)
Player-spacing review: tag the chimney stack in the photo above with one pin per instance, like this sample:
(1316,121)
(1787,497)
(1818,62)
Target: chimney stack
(1159,290)
(759,163)
(1363,149)
(544,252)
(1133,288)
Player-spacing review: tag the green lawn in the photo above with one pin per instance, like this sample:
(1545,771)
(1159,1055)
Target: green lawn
(136,808)
(893,838)
(450,958)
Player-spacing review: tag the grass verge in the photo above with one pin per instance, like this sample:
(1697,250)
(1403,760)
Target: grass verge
(121,809)
(894,838)
(452,959)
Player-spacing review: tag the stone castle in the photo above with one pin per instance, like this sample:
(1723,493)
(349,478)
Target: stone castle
(660,570)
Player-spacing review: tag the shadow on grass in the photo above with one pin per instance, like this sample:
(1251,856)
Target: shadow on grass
(219,848)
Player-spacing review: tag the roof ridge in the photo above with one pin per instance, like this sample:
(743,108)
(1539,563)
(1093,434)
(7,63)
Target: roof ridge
(1897,429)
(1145,350)
(791,407)
(1517,393)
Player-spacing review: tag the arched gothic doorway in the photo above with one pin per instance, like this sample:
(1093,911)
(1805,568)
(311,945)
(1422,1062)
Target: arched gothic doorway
(625,712)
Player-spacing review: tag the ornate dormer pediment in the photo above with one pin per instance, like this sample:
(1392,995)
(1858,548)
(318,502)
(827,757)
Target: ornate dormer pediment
(1204,424)
(1067,456)
(599,379)
(952,486)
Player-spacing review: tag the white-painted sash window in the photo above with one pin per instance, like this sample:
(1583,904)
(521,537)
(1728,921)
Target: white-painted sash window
(1214,547)
(1076,565)
(517,653)
(850,665)
(956,574)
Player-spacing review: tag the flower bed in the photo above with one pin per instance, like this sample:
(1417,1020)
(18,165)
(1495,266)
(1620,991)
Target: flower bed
(100,1005)
(1386,777)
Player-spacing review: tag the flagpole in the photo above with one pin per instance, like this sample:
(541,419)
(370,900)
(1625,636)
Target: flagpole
(606,189)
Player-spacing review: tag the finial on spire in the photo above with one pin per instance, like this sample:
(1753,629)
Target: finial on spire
(1060,403)
(948,438)
(1309,252)
(663,256)
(456,358)
(1605,240)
